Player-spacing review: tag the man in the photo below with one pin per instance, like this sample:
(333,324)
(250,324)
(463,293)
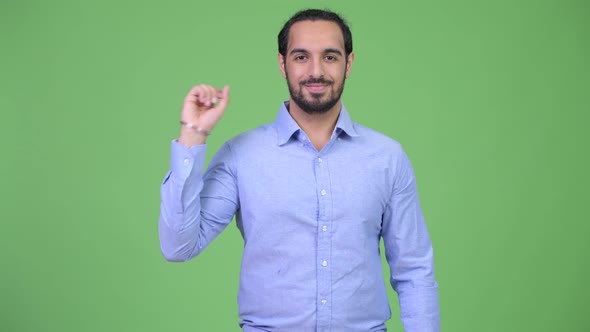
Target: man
(313,193)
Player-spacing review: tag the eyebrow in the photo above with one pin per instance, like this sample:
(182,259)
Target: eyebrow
(327,50)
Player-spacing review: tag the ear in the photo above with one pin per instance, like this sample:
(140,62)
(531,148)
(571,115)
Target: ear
(349,62)
(282,65)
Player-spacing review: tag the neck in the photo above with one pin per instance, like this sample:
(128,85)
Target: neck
(317,126)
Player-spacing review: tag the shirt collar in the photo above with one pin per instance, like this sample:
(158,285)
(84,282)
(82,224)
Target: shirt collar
(286,126)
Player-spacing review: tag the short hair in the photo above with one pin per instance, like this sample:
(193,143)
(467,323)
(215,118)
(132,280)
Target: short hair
(315,15)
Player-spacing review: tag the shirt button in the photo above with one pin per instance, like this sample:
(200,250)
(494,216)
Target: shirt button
(324,301)
(325,263)
(324,228)
(323,192)
(185,161)
(320,160)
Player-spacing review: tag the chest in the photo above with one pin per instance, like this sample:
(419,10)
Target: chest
(293,183)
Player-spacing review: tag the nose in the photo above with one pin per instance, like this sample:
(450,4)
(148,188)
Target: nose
(317,68)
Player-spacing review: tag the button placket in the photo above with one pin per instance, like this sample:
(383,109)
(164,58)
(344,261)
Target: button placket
(324,240)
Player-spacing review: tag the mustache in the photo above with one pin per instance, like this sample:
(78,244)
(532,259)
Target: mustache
(316,81)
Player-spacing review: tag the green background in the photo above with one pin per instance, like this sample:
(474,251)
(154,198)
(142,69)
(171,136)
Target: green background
(489,98)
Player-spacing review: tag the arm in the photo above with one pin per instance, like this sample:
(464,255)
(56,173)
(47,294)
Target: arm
(193,210)
(409,253)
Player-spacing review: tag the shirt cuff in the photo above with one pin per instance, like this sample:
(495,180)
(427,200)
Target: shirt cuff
(419,309)
(185,161)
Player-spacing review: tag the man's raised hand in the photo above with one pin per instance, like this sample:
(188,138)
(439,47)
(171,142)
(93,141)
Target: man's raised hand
(203,107)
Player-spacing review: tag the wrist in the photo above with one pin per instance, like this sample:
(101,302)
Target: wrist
(191,134)
(196,128)
(188,137)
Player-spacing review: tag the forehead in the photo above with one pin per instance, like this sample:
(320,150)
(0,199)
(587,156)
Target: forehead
(311,34)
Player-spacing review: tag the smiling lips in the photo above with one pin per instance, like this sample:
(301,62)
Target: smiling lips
(316,87)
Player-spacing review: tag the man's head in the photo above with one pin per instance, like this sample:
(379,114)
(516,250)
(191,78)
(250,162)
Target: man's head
(315,56)
(315,15)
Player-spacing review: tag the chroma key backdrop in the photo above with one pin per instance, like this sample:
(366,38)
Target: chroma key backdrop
(490,100)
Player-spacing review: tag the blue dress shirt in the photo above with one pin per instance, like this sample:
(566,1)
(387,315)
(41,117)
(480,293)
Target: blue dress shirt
(311,223)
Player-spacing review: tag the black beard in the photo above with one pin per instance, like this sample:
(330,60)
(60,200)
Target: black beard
(315,105)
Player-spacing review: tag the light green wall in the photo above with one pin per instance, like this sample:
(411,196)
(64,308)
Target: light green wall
(489,98)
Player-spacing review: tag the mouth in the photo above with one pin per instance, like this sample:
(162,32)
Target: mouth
(316,87)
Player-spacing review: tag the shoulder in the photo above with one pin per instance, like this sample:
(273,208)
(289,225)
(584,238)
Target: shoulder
(388,153)
(375,140)
(254,138)
(244,146)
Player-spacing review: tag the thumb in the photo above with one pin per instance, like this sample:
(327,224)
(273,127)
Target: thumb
(223,96)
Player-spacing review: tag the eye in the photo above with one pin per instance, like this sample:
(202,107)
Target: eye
(300,58)
(330,58)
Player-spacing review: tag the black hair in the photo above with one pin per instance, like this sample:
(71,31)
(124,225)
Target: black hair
(315,15)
